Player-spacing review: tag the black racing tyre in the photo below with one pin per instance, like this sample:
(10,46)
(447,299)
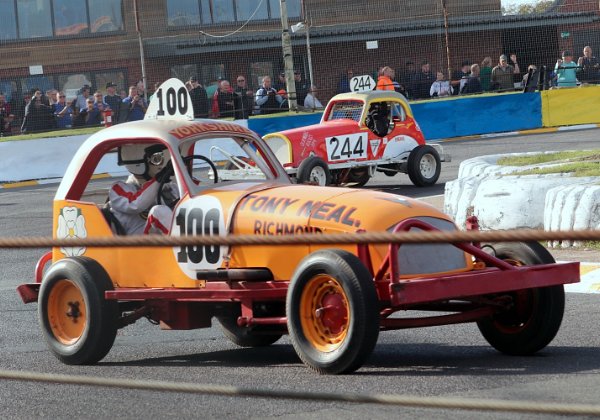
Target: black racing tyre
(78,323)
(314,170)
(245,336)
(536,314)
(424,166)
(332,312)
(359,176)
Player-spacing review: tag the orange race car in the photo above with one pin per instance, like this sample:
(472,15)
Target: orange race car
(359,133)
(333,301)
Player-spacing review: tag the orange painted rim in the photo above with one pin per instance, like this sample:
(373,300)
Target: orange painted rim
(67,312)
(324,313)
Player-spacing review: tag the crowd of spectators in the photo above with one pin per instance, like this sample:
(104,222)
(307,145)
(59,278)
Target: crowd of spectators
(43,111)
(474,78)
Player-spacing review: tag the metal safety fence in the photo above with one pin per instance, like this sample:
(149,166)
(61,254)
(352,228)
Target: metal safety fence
(225,49)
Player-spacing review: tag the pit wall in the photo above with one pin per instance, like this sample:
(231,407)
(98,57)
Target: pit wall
(480,114)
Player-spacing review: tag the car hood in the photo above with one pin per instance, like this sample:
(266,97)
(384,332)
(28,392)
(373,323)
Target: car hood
(298,209)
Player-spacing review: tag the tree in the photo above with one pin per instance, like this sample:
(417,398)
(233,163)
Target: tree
(526,9)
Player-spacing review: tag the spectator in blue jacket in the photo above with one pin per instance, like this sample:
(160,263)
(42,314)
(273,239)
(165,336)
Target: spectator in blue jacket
(135,105)
(566,71)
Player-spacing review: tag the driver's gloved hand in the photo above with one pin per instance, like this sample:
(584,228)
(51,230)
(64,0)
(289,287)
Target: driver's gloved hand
(164,175)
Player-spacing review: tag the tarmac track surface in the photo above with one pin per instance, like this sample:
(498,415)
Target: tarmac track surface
(439,361)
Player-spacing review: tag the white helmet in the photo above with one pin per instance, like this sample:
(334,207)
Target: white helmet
(142,160)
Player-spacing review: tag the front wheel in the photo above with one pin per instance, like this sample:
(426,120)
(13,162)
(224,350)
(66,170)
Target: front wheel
(332,312)
(314,170)
(424,166)
(79,324)
(533,319)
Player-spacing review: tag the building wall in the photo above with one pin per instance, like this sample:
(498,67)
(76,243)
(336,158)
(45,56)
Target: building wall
(330,60)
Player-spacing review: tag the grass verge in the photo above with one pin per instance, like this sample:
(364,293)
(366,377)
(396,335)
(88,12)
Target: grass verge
(579,163)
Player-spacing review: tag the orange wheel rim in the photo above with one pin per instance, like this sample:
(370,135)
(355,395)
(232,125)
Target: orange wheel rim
(324,313)
(67,313)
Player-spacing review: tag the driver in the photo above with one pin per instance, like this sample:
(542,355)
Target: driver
(134,203)
(378,118)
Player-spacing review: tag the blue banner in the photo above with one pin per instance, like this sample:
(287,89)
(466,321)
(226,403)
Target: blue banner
(272,124)
(466,116)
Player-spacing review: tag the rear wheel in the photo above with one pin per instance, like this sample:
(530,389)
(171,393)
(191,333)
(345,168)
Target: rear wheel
(79,324)
(332,311)
(314,170)
(424,166)
(535,315)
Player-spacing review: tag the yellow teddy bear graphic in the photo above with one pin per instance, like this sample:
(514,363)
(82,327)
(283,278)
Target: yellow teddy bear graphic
(71,224)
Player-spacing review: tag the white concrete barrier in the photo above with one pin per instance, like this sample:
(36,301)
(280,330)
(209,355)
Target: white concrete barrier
(48,158)
(504,201)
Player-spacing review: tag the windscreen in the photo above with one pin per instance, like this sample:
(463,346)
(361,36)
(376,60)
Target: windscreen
(226,159)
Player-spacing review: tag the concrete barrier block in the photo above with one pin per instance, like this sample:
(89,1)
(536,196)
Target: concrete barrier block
(513,202)
(458,196)
(572,207)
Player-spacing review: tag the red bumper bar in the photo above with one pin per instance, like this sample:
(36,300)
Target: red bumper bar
(481,282)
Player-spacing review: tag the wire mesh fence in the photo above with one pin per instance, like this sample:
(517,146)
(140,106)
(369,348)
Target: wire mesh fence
(64,64)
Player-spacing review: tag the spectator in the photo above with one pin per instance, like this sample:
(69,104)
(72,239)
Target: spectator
(302,87)
(113,100)
(37,115)
(6,116)
(589,71)
(267,98)
(385,79)
(199,98)
(280,83)
(133,107)
(566,71)
(99,100)
(63,113)
(502,75)
(530,84)
(244,99)
(459,78)
(90,115)
(441,87)
(344,84)
(156,86)
(141,89)
(473,83)
(408,78)
(19,110)
(223,102)
(82,96)
(211,89)
(122,94)
(50,97)
(285,104)
(486,73)
(401,88)
(423,81)
(311,101)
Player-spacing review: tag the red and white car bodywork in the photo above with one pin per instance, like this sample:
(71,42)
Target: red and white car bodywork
(346,148)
